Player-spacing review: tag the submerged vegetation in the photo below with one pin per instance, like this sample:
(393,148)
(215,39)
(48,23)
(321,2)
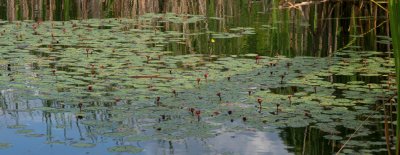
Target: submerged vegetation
(155,76)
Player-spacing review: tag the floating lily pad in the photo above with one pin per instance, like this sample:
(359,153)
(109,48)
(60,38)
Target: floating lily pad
(5,145)
(83,145)
(333,137)
(138,138)
(24,131)
(125,148)
(16,126)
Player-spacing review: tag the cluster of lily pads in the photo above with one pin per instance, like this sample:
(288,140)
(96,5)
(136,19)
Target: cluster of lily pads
(116,77)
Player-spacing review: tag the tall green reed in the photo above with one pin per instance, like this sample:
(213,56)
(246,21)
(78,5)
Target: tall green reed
(394,16)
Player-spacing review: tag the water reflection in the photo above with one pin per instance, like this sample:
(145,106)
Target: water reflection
(51,132)
(316,29)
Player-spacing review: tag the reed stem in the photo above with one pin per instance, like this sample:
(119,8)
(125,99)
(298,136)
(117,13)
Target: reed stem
(394,17)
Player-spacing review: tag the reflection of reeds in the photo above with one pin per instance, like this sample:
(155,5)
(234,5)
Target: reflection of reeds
(300,28)
(84,9)
(11,10)
(394,13)
(387,138)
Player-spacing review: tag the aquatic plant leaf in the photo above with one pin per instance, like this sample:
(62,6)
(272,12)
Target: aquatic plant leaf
(125,148)
(333,137)
(83,145)
(5,145)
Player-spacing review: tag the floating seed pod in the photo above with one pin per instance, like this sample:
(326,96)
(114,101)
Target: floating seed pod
(258,59)
(174,92)
(219,95)
(259,100)
(198,81)
(198,112)
(206,76)
(90,88)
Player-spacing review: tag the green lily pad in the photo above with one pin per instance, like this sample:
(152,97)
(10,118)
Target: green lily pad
(5,145)
(125,148)
(83,145)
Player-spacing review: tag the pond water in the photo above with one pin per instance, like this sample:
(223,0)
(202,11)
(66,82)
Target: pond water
(194,77)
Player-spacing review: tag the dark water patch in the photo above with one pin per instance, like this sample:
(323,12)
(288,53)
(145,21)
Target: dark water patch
(65,68)
(103,27)
(348,78)
(372,79)
(39,53)
(339,93)
(289,90)
(306,140)
(343,78)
